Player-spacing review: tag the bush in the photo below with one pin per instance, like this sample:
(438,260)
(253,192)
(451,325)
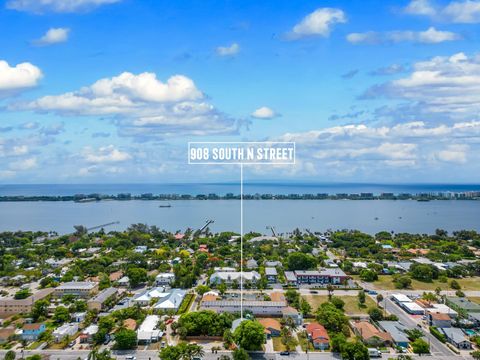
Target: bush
(434,331)
(185,305)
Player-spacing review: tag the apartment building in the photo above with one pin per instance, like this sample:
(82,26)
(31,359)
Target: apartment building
(83,289)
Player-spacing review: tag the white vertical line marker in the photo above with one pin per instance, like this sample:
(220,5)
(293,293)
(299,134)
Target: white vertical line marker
(241,241)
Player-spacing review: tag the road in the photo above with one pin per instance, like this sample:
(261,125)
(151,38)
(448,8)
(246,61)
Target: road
(436,347)
(153,355)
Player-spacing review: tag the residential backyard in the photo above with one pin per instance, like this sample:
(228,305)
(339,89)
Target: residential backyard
(352,306)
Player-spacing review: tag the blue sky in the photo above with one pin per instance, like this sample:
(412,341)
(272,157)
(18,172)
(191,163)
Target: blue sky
(371,91)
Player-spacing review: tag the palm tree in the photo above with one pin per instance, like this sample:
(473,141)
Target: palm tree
(93,355)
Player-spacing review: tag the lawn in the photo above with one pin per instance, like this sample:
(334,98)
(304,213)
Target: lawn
(351,303)
(385,282)
(277,344)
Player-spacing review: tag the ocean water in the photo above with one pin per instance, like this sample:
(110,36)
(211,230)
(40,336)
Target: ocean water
(224,188)
(284,215)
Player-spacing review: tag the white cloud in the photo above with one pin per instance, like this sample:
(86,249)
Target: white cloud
(25,164)
(231,50)
(429,36)
(318,23)
(264,112)
(105,154)
(56,6)
(369,151)
(142,106)
(53,36)
(16,78)
(420,7)
(446,86)
(454,153)
(462,12)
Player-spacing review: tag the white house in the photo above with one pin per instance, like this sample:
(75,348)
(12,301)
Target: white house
(148,332)
(228,277)
(164,279)
(65,330)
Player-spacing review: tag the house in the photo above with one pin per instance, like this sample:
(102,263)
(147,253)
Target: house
(439,320)
(272,327)
(462,305)
(442,309)
(78,316)
(64,331)
(124,282)
(82,289)
(290,312)
(164,279)
(165,299)
(31,332)
(203,248)
(148,332)
(334,276)
(256,307)
(100,301)
(230,277)
(396,331)
(115,276)
(6,334)
(252,264)
(291,279)
(370,335)
(12,306)
(318,335)
(140,249)
(271,275)
(263,238)
(273,264)
(456,337)
(86,337)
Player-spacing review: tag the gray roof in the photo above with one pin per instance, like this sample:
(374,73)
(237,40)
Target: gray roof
(396,330)
(104,295)
(464,304)
(455,334)
(270,271)
(290,276)
(75,285)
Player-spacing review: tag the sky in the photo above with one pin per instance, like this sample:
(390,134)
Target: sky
(111,91)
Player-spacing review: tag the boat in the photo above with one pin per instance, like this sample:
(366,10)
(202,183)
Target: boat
(165,206)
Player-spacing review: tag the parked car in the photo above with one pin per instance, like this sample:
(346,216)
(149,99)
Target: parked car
(285,353)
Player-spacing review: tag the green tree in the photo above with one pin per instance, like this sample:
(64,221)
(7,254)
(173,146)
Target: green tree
(240,354)
(375,314)
(249,335)
(368,275)
(61,315)
(125,339)
(420,346)
(136,276)
(361,298)
(354,351)
(339,303)
(22,294)
(402,282)
(379,299)
(475,354)
(202,289)
(332,318)
(305,307)
(337,341)
(40,310)
(455,285)
(10,355)
(182,351)
(300,261)
(423,272)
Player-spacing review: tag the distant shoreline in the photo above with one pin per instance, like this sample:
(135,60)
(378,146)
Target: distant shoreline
(85,198)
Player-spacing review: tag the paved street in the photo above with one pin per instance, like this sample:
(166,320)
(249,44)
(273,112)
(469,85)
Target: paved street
(436,347)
